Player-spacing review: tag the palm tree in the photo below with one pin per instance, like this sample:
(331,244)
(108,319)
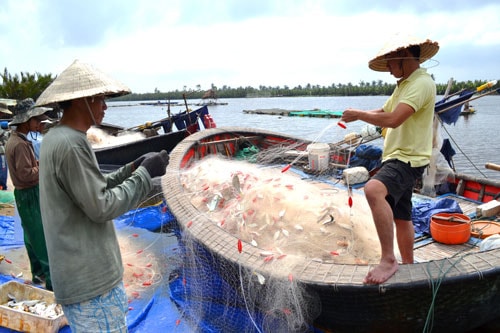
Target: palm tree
(24,85)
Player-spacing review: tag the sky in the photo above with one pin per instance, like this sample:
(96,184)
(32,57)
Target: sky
(186,44)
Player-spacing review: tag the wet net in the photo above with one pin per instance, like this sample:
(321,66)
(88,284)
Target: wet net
(288,218)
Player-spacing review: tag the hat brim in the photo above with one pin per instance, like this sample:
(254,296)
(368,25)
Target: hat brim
(80,80)
(428,49)
(36,112)
(4,108)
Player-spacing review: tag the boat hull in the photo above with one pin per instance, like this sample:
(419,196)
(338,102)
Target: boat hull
(455,294)
(125,153)
(112,157)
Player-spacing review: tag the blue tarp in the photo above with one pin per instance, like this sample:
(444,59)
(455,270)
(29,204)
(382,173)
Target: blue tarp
(451,115)
(422,212)
(154,312)
(151,218)
(169,308)
(184,119)
(368,156)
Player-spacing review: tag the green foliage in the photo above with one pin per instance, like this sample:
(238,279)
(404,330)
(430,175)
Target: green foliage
(374,88)
(32,85)
(24,85)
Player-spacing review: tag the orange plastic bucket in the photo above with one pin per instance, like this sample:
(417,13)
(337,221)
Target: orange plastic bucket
(450,228)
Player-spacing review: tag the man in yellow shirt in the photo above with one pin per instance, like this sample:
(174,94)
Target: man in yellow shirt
(408,116)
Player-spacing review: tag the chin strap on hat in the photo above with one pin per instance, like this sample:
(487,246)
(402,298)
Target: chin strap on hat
(90,111)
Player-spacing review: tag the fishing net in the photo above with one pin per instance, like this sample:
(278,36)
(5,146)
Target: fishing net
(280,211)
(98,138)
(142,254)
(287,219)
(439,170)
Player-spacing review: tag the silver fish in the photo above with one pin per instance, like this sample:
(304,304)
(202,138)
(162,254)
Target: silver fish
(260,278)
(236,183)
(329,220)
(215,201)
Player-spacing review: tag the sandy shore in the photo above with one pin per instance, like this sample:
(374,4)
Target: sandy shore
(10,187)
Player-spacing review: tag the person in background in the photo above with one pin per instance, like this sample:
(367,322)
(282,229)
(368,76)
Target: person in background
(408,116)
(4,136)
(37,136)
(24,173)
(79,203)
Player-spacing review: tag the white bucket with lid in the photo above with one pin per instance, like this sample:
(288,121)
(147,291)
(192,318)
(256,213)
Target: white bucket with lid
(319,156)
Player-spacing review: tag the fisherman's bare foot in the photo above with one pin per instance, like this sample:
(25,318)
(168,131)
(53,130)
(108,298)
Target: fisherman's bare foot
(382,272)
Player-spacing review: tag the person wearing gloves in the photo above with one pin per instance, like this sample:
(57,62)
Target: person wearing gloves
(24,173)
(78,202)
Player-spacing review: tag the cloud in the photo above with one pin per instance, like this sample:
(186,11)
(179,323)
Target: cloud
(152,44)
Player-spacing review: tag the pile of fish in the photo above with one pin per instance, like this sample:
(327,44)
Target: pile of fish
(283,214)
(37,307)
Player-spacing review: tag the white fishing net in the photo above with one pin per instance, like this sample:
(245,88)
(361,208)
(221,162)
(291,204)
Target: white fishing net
(439,170)
(283,214)
(98,138)
(142,255)
(289,220)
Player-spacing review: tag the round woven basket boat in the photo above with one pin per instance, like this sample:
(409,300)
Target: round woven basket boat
(461,291)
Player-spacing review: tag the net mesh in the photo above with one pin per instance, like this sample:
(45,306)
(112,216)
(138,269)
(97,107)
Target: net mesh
(287,219)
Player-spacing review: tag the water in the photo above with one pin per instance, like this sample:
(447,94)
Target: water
(474,138)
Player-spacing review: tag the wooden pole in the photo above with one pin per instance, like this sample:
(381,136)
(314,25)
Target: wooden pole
(492,166)
(470,99)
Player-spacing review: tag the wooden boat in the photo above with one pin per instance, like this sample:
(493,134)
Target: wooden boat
(467,110)
(186,123)
(450,288)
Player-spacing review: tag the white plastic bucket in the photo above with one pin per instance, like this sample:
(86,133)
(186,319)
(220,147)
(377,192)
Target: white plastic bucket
(319,156)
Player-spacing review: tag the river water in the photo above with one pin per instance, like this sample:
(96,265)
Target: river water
(475,138)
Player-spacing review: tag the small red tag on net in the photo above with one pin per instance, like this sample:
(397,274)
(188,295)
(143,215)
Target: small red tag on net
(240,246)
(285,169)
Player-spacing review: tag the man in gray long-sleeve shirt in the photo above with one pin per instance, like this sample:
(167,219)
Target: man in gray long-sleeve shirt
(78,203)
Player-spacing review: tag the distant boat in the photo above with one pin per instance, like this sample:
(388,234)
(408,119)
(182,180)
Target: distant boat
(209,98)
(186,123)
(159,103)
(467,110)
(317,113)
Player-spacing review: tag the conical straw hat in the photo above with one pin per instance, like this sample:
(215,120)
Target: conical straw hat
(4,108)
(428,49)
(80,80)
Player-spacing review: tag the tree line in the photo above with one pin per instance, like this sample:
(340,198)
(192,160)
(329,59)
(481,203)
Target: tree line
(24,85)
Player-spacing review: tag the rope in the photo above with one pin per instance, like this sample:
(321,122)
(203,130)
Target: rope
(435,285)
(460,149)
